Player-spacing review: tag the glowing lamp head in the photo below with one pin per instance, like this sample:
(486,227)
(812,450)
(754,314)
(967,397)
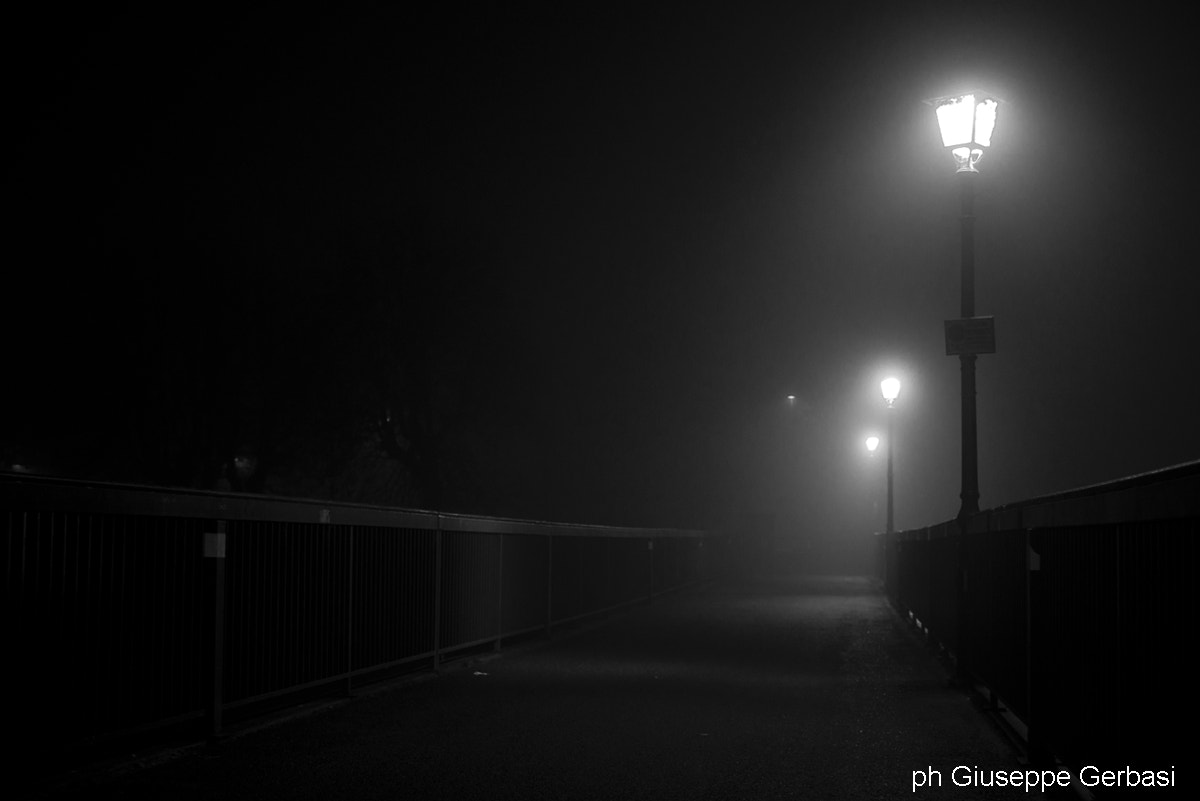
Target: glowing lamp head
(967,123)
(872,443)
(891,389)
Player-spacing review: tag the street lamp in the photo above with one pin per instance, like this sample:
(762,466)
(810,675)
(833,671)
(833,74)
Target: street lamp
(872,445)
(967,123)
(890,387)
(891,390)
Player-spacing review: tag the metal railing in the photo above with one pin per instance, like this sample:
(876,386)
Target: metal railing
(136,608)
(1077,616)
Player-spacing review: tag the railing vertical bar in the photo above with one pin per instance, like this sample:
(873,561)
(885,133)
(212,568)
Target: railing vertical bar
(314,586)
(258,592)
(214,557)
(253,573)
(293,540)
(298,545)
(549,584)
(322,617)
(1033,608)
(365,634)
(171,621)
(303,548)
(320,622)
(160,536)
(500,593)
(386,640)
(61,610)
(266,593)
(120,565)
(350,611)
(240,565)
(650,583)
(83,593)
(610,576)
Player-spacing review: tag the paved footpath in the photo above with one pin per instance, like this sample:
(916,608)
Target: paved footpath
(800,688)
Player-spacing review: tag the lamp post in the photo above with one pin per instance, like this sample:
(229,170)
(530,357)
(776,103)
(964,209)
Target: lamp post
(872,445)
(891,390)
(967,122)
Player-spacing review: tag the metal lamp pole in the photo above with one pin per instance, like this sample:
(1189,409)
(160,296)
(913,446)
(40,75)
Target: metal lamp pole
(967,123)
(890,526)
(872,444)
(891,390)
(970,452)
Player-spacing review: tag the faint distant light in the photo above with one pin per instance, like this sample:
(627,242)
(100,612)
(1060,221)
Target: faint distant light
(245,466)
(890,387)
(967,122)
(20,468)
(872,443)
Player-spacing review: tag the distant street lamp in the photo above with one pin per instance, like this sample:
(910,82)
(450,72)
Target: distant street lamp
(891,390)
(872,446)
(890,387)
(967,122)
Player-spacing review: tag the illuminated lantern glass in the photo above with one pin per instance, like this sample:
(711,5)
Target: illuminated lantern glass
(985,121)
(956,118)
(967,123)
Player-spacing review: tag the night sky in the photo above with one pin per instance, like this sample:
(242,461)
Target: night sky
(618,236)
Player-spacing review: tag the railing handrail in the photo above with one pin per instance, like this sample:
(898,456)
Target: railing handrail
(1011,515)
(25,491)
(1171,473)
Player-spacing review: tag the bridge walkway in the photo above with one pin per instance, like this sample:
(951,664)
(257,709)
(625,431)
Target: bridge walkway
(773,687)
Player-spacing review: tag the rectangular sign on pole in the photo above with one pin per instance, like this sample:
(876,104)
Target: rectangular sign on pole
(970,335)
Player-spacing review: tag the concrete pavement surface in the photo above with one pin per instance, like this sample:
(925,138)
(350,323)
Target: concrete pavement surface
(772,688)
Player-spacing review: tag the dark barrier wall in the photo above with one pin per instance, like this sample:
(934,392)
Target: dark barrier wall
(137,609)
(1075,613)
(1112,642)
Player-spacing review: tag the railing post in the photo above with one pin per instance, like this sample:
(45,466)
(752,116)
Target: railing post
(1035,605)
(437,593)
(500,596)
(609,574)
(549,583)
(650,583)
(962,590)
(214,569)
(348,685)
